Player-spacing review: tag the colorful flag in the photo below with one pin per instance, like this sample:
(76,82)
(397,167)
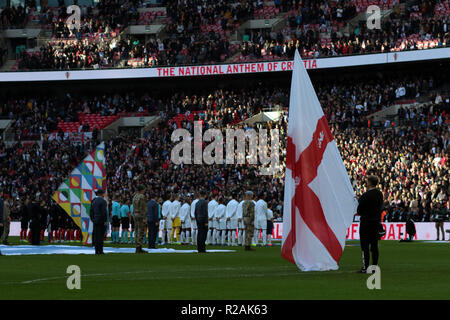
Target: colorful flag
(75,194)
(318,196)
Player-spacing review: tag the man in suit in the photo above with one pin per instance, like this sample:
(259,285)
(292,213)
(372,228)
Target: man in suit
(369,209)
(201,217)
(99,219)
(152,222)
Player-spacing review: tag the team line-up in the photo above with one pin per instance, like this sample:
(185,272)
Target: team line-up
(178,225)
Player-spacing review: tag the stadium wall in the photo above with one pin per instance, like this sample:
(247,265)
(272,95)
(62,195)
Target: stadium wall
(227,69)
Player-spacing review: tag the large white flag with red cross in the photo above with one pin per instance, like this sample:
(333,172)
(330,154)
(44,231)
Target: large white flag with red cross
(319,201)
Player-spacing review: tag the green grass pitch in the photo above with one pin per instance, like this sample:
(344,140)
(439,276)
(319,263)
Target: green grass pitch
(408,271)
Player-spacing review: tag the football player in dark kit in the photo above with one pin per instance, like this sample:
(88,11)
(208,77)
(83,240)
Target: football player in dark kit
(53,222)
(24,220)
(369,209)
(34,212)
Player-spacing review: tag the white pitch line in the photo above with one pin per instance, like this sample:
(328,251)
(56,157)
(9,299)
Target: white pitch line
(135,272)
(37,280)
(253,275)
(85,275)
(170,276)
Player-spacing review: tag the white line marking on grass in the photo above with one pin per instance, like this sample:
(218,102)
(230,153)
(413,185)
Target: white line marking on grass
(85,275)
(137,272)
(171,275)
(43,279)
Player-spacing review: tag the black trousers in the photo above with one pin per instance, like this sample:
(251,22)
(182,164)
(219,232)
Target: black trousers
(152,234)
(98,234)
(35,234)
(368,235)
(201,236)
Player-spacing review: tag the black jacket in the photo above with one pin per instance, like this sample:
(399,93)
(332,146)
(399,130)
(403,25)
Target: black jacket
(410,227)
(24,214)
(152,211)
(201,211)
(370,206)
(98,211)
(43,214)
(34,214)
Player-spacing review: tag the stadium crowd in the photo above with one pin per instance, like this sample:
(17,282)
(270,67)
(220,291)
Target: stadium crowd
(396,35)
(73,54)
(346,103)
(107,16)
(410,156)
(199,32)
(13,17)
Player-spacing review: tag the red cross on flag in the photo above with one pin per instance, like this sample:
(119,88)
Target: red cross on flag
(319,201)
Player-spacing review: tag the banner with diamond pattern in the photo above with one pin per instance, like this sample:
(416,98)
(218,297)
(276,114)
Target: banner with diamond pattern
(75,194)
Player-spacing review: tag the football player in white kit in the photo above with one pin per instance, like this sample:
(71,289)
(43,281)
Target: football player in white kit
(166,222)
(240,223)
(185,217)
(175,216)
(212,205)
(221,222)
(260,221)
(193,221)
(231,220)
